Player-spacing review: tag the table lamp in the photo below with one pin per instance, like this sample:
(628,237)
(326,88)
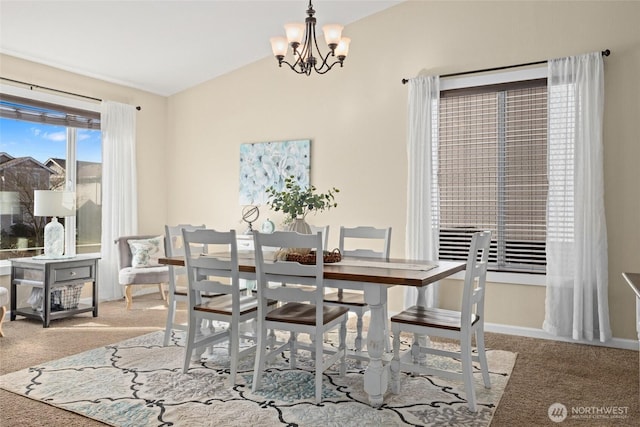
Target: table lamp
(54,204)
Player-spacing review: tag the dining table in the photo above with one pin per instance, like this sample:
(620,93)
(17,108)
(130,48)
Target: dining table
(374,278)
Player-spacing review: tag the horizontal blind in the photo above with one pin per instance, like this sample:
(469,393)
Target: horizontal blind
(492,173)
(18,108)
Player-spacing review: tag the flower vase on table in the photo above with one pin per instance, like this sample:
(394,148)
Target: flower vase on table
(299,225)
(296,202)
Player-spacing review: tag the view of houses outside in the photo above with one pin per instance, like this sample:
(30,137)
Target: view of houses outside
(33,157)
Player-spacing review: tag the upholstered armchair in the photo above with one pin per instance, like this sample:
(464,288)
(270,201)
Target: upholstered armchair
(138,263)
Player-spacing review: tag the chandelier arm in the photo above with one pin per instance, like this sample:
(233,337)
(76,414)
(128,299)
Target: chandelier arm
(292,67)
(329,67)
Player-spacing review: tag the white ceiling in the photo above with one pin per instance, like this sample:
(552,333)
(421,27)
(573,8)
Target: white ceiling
(162,47)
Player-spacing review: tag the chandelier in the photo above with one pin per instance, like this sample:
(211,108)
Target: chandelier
(302,39)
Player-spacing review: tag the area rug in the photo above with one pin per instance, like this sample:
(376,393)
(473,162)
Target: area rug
(138,382)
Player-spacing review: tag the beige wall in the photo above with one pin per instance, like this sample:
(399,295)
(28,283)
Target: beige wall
(356,119)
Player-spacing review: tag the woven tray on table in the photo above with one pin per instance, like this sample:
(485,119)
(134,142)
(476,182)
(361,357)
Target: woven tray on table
(310,258)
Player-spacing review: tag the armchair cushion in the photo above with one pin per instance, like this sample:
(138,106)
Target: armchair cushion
(142,276)
(145,252)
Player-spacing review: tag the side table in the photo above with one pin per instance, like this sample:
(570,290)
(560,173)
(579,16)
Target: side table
(51,275)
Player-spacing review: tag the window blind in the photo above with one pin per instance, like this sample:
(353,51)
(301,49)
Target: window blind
(15,107)
(492,172)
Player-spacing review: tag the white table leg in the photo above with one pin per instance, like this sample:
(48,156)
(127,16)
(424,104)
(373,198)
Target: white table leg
(376,376)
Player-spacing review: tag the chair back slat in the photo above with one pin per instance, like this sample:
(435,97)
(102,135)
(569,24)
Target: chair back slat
(382,235)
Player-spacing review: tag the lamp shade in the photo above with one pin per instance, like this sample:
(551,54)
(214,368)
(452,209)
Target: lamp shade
(54,203)
(279,46)
(343,47)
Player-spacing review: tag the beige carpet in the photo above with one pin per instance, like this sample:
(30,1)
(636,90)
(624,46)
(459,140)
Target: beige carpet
(545,372)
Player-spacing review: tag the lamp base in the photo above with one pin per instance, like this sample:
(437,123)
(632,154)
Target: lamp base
(53,239)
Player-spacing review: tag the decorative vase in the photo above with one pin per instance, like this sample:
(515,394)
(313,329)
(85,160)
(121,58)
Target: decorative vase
(299,225)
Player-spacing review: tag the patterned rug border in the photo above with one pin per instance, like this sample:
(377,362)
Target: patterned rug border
(154,392)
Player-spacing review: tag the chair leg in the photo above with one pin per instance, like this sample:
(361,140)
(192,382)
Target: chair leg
(162,293)
(234,343)
(467,372)
(319,369)
(190,344)
(358,342)
(343,347)
(3,312)
(127,296)
(171,314)
(261,350)
(482,355)
(395,362)
(293,346)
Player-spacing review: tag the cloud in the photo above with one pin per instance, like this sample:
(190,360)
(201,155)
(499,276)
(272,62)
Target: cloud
(55,136)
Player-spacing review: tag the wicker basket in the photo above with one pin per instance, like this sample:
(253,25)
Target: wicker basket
(310,258)
(65,297)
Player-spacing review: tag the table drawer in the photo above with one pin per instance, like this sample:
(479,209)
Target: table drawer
(72,273)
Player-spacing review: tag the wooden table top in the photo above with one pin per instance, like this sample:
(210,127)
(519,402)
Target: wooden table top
(392,275)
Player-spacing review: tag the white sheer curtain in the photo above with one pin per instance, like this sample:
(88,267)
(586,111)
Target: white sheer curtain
(577,277)
(422,196)
(119,196)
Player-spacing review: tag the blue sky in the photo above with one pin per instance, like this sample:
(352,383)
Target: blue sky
(20,138)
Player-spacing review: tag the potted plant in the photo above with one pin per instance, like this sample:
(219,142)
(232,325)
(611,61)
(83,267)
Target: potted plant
(297,202)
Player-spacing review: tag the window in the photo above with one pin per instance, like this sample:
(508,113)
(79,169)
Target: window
(492,172)
(45,145)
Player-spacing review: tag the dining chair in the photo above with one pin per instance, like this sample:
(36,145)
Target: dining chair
(324,229)
(459,325)
(301,310)
(174,247)
(211,259)
(354,300)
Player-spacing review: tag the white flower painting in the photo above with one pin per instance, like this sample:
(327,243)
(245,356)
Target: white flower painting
(267,164)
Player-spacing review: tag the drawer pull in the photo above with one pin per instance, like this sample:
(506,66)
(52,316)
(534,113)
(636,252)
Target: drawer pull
(72,273)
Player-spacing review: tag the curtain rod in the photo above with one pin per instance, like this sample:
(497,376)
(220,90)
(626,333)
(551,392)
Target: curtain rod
(34,86)
(605,52)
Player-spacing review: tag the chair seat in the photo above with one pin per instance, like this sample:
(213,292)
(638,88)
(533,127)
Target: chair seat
(432,318)
(222,304)
(143,276)
(304,314)
(347,298)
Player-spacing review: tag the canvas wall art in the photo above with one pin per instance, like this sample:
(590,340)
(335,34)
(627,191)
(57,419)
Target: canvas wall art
(266,164)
